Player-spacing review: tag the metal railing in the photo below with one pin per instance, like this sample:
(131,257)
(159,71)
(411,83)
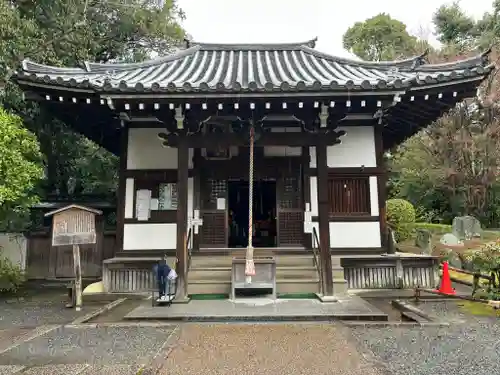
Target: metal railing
(317,259)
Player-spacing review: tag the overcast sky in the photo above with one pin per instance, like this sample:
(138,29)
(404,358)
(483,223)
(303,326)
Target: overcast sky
(248,21)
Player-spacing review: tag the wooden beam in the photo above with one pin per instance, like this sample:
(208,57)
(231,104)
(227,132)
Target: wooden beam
(267,139)
(182,208)
(324,226)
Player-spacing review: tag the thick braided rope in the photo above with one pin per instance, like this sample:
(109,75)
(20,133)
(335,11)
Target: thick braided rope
(250,267)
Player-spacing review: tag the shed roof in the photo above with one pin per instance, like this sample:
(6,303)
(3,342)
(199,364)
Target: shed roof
(73,206)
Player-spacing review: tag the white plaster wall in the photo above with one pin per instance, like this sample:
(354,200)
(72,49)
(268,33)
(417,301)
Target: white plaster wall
(282,151)
(146,151)
(129,198)
(190,196)
(154,236)
(13,246)
(374,196)
(150,236)
(357,149)
(346,235)
(355,234)
(313,181)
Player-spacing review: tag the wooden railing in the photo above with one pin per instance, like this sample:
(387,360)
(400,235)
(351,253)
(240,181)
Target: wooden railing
(315,249)
(189,246)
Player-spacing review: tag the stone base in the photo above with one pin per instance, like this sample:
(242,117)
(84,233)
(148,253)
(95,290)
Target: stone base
(181,300)
(327,299)
(257,310)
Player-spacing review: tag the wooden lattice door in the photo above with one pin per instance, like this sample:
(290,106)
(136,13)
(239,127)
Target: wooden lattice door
(214,228)
(290,213)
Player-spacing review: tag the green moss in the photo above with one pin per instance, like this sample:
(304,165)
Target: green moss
(478,309)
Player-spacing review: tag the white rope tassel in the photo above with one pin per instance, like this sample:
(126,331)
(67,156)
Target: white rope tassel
(249,264)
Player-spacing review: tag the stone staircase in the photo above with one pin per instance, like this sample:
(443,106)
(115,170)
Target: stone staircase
(295,273)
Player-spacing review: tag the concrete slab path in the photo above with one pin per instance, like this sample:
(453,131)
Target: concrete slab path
(261,309)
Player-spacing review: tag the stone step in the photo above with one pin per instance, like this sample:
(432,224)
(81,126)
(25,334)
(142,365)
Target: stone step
(296,272)
(297,286)
(210,273)
(338,272)
(209,287)
(226,260)
(224,273)
(295,260)
(339,286)
(336,261)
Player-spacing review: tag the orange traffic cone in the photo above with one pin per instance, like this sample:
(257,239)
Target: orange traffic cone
(445,286)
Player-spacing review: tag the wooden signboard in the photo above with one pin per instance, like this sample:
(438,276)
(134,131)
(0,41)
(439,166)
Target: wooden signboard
(74,225)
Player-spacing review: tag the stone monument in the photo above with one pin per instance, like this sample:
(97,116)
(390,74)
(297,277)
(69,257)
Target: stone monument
(424,241)
(449,239)
(466,227)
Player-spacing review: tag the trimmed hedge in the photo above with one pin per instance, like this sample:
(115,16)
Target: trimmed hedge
(434,228)
(401,218)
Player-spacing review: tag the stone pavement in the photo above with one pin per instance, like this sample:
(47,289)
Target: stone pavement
(261,309)
(265,349)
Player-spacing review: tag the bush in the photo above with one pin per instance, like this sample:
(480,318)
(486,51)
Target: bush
(11,276)
(401,218)
(487,260)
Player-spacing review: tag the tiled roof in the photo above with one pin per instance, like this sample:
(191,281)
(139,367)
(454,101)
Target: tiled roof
(254,68)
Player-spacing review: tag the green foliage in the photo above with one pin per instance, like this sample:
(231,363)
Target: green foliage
(487,260)
(380,38)
(400,217)
(20,166)
(451,168)
(12,276)
(433,228)
(65,33)
(453,26)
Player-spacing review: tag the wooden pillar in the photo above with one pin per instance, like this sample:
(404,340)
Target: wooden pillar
(323,216)
(381,184)
(121,198)
(182,217)
(197,194)
(306,189)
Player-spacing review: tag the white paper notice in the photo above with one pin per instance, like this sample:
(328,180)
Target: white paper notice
(154,204)
(221,203)
(143,204)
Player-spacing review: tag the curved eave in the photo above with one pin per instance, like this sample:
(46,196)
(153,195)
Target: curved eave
(409,117)
(419,81)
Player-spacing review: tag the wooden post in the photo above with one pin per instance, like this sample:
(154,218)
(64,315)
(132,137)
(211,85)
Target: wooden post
(74,225)
(120,204)
(78,277)
(182,217)
(323,217)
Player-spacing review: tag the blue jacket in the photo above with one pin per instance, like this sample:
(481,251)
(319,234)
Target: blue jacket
(161,270)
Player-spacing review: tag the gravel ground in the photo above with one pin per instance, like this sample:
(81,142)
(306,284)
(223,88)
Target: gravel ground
(460,349)
(220,349)
(96,346)
(40,309)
